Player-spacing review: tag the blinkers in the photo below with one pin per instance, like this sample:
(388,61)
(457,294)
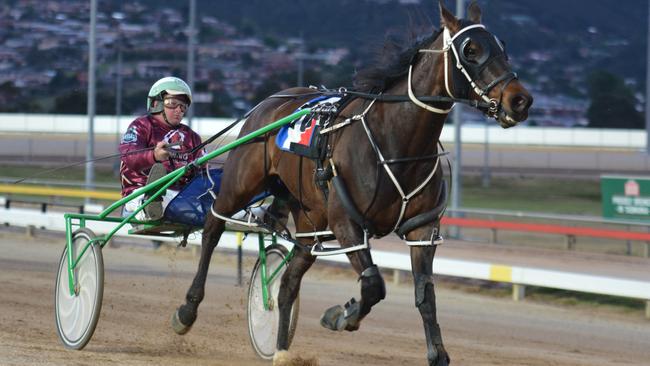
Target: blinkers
(482,56)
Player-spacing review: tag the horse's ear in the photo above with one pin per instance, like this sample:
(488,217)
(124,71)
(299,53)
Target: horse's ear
(474,12)
(447,19)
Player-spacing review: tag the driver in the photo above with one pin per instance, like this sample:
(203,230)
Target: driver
(172,142)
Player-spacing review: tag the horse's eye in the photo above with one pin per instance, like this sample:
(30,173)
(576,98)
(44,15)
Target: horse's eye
(470,52)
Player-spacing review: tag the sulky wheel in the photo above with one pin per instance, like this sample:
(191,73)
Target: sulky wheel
(263,324)
(77,313)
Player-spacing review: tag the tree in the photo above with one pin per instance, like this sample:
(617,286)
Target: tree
(12,100)
(280,81)
(76,102)
(612,103)
(221,105)
(71,102)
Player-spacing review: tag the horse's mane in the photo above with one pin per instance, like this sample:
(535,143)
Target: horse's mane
(391,64)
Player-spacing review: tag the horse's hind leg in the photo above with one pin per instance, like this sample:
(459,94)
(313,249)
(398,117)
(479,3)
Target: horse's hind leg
(425,297)
(296,269)
(233,196)
(185,315)
(289,290)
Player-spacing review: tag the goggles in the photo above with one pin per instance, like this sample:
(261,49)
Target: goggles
(173,103)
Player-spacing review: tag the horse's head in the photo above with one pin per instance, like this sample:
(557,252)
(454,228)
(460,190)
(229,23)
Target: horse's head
(480,68)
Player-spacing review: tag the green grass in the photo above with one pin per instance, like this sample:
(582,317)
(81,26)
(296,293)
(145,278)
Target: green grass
(580,301)
(572,298)
(41,173)
(103,176)
(549,195)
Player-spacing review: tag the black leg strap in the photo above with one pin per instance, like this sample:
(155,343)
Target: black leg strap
(421,282)
(373,286)
(369,272)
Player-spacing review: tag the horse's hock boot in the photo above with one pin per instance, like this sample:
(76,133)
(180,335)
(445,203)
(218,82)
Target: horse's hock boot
(154,210)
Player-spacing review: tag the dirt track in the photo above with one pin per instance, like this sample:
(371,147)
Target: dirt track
(143,287)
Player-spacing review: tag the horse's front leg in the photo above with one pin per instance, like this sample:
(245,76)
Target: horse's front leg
(373,288)
(185,315)
(425,297)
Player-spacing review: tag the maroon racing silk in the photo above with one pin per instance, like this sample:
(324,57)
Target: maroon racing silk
(145,132)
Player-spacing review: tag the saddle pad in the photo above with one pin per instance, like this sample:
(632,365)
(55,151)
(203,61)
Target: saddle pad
(298,135)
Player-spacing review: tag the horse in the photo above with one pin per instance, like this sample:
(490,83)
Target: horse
(384,173)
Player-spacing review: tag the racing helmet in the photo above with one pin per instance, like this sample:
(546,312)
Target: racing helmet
(167,85)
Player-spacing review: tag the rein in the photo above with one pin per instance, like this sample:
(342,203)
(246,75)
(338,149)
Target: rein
(393,98)
(89,161)
(389,98)
(200,146)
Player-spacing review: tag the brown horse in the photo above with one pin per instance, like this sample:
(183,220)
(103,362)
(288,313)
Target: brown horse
(384,160)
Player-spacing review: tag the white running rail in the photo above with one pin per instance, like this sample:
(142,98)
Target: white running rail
(518,276)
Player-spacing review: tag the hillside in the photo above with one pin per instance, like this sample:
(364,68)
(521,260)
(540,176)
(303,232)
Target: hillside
(249,48)
(553,43)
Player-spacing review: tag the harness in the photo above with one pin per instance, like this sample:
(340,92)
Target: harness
(469,70)
(472,73)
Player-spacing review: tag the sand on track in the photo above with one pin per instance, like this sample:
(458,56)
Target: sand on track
(144,286)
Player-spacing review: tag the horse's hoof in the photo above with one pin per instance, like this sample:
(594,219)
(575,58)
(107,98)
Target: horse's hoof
(332,318)
(351,327)
(438,359)
(178,326)
(339,318)
(442,362)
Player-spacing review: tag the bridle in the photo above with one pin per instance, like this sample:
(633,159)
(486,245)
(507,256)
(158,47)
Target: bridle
(470,70)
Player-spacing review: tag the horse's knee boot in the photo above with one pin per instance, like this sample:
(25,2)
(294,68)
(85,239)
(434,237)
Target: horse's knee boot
(373,288)
(425,301)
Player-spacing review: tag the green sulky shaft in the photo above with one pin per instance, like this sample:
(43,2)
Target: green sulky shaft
(242,140)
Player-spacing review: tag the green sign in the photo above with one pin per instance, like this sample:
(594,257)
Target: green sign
(625,197)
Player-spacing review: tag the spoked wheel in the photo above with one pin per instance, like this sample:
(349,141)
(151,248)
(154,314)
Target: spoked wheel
(262,323)
(77,313)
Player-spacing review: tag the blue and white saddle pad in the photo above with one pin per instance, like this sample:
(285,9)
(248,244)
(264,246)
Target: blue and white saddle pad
(300,133)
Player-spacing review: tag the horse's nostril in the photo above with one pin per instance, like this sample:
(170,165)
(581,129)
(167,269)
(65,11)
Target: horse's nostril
(520,103)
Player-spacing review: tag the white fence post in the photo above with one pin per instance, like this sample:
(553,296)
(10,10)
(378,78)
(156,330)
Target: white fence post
(518,292)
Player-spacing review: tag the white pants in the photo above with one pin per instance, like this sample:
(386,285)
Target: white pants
(135,203)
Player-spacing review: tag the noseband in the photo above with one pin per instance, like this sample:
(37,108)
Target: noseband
(471,71)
